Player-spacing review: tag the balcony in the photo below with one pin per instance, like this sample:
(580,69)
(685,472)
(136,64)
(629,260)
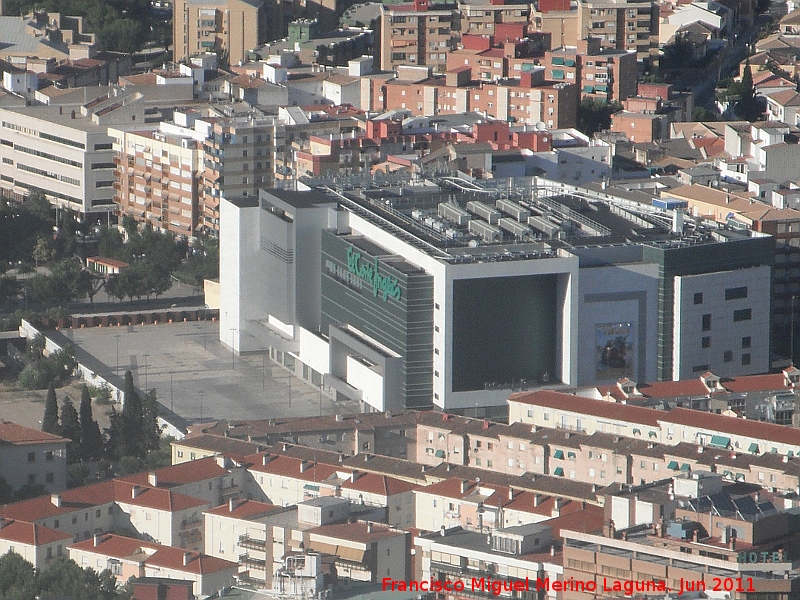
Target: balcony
(245,541)
(247,560)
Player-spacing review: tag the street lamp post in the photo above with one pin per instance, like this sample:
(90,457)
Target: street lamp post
(233,348)
(145,372)
(205,315)
(791,331)
(116,370)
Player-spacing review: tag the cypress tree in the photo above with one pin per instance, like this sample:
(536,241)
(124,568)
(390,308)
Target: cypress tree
(71,428)
(50,418)
(91,439)
(132,422)
(748,106)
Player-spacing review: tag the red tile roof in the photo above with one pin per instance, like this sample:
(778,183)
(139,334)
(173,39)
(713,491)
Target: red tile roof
(290,467)
(243,509)
(379,484)
(155,555)
(31,534)
(588,520)
(155,498)
(743,427)
(597,408)
(756,383)
(11,433)
(181,474)
(42,507)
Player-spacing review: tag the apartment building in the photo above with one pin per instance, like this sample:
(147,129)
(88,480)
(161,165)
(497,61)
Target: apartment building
(129,557)
(230,27)
(483,18)
(29,457)
(601,73)
(417,34)
(555,409)
(621,25)
(37,544)
(158,179)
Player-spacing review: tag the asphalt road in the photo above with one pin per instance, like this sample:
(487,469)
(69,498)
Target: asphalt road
(199,378)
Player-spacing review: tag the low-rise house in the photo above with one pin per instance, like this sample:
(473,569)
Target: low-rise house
(37,544)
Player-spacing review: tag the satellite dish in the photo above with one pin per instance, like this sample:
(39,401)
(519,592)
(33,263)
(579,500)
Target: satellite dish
(540,126)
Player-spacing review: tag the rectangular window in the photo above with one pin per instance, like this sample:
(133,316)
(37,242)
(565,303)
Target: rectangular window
(745,360)
(736,293)
(698,298)
(706,342)
(48,456)
(727,356)
(744,314)
(707,322)
(746,342)
(31,456)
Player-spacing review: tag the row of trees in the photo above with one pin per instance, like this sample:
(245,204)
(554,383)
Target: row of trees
(133,437)
(43,371)
(63,578)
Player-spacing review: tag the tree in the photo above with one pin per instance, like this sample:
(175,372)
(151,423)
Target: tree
(150,429)
(17,579)
(595,115)
(71,428)
(36,204)
(65,577)
(50,419)
(748,107)
(110,243)
(42,251)
(91,438)
(700,113)
(126,429)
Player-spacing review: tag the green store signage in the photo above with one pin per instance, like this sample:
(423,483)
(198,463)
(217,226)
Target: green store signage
(385,285)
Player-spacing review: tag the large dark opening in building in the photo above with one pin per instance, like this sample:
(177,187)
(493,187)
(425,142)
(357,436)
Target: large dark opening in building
(504,330)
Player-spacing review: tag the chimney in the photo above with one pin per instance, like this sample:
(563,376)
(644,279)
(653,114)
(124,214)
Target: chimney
(187,557)
(366,457)
(265,460)
(97,539)
(464,485)
(304,465)
(3,522)
(696,535)
(485,424)
(152,478)
(510,494)
(369,526)
(231,505)
(135,491)
(732,542)
(339,418)
(556,512)
(552,549)
(609,530)
(699,449)
(341,458)
(536,499)
(56,500)
(284,447)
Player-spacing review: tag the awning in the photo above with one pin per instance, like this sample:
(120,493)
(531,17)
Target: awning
(790,454)
(589,89)
(311,488)
(322,547)
(753,448)
(718,441)
(673,465)
(559,472)
(637,431)
(440,454)
(685,467)
(351,554)
(727,474)
(740,477)
(558,74)
(558,60)
(774,451)
(652,434)
(570,62)
(559,454)
(571,455)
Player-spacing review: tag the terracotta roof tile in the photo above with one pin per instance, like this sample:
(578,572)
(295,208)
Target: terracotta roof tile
(356,532)
(12,433)
(243,509)
(743,427)
(597,408)
(31,534)
(181,474)
(155,498)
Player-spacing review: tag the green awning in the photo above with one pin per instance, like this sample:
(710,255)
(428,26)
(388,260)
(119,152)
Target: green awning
(589,89)
(636,431)
(727,474)
(558,60)
(653,434)
(740,477)
(558,74)
(753,448)
(602,88)
(673,465)
(719,441)
(440,454)
(774,451)
(570,62)
(685,467)
(559,472)
(559,454)
(311,488)
(790,454)
(571,455)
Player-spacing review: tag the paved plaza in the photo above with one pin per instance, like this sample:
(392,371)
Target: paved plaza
(199,378)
